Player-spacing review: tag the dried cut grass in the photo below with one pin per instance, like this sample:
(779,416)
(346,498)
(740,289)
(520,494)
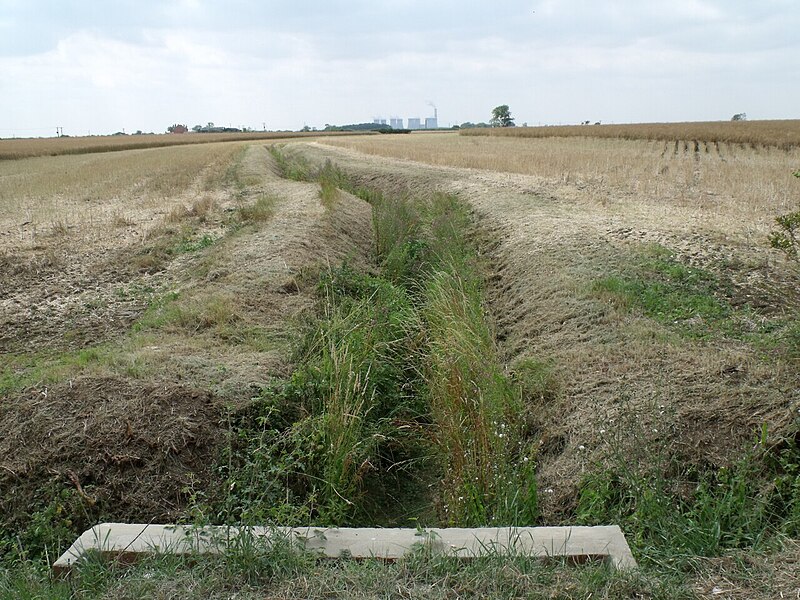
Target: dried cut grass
(201,210)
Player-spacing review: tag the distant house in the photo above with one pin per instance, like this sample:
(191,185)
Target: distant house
(177,128)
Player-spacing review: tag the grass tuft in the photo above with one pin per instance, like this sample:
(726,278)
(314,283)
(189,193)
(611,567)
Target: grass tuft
(260,211)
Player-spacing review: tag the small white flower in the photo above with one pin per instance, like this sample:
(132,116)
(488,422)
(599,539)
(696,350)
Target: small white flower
(581,447)
(602,431)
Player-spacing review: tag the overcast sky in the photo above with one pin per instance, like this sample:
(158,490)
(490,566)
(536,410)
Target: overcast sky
(104,66)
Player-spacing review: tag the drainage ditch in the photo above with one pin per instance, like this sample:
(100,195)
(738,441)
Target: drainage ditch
(399,409)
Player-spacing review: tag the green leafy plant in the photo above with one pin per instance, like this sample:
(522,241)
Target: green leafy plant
(787,237)
(673,513)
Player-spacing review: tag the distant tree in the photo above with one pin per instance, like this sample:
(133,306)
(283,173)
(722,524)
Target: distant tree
(739,117)
(197,128)
(501,116)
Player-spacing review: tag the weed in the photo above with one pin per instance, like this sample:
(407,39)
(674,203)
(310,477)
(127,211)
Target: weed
(60,228)
(399,244)
(787,236)
(667,290)
(23,371)
(291,166)
(330,180)
(307,448)
(260,211)
(120,220)
(203,208)
(157,313)
(536,381)
(489,474)
(488,468)
(673,513)
(695,302)
(365,389)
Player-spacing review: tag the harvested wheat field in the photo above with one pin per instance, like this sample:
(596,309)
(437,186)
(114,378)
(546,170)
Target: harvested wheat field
(435,330)
(142,294)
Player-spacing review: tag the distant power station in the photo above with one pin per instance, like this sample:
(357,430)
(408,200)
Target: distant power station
(413,122)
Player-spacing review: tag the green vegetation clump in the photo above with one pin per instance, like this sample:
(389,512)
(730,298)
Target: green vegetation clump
(672,515)
(309,449)
(667,290)
(258,212)
(291,166)
(696,303)
(787,236)
(489,466)
(330,181)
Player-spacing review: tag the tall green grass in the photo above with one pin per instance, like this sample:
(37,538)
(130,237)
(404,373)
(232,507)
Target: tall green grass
(489,475)
(673,514)
(488,469)
(399,371)
(315,447)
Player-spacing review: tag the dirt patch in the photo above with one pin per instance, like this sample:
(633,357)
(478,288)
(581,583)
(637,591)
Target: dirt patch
(134,450)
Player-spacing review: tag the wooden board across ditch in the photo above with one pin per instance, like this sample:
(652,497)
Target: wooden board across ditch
(127,542)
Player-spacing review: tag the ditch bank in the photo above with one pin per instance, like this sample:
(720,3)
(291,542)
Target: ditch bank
(132,428)
(661,415)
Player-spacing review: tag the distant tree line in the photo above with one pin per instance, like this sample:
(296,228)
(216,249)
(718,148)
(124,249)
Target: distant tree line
(211,128)
(358,127)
